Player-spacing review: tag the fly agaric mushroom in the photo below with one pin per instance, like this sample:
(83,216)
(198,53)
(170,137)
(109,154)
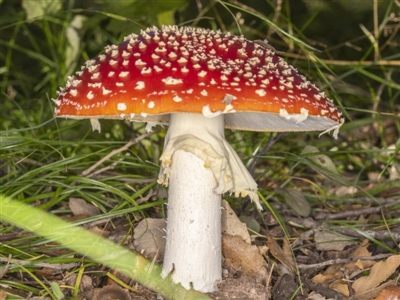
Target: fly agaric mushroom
(199,82)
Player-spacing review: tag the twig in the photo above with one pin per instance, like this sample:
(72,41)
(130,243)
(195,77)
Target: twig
(116,151)
(354,213)
(376,234)
(307,223)
(349,232)
(343,261)
(305,236)
(99,171)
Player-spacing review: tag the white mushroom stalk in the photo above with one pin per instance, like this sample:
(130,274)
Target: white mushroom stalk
(193,225)
(198,165)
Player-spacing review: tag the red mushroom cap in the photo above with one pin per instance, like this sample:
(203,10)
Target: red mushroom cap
(183,69)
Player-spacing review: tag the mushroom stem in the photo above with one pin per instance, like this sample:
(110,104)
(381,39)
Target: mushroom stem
(190,161)
(198,165)
(193,247)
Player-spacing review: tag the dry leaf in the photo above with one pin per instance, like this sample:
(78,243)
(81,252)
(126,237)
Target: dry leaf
(328,275)
(370,294)
(149,237)
(232,225)
(379,273)
(243,257)
(340,287)
(284,255)
(79,206)
(359,264)
(321,278)
(362,250)
(333,270)
(326,241)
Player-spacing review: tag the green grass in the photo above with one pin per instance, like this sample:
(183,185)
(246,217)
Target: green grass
(42,160)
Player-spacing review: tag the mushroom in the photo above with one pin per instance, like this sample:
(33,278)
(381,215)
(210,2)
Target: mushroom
(199,82)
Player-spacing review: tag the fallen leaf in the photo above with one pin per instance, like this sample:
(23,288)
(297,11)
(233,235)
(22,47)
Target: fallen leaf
(362,251)
(232,225)
(331,273)
(243,257)
(370,294)
(327,241)
(321,278)
(339,286)
(79,206)
(284,254)
(379,273)
(149,237)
